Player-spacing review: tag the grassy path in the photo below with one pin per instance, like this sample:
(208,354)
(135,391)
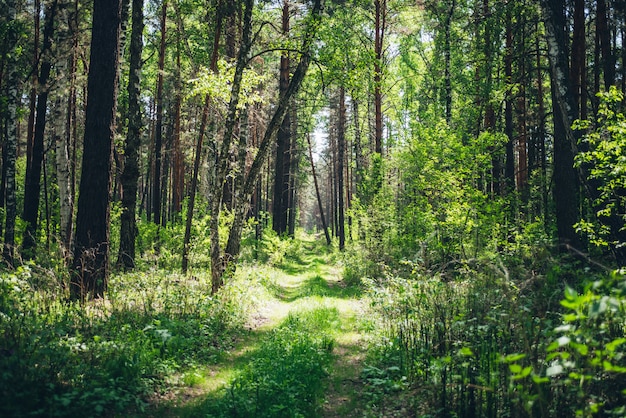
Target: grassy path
(312,282)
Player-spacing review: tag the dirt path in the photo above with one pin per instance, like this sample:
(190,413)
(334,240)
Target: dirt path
(312,281)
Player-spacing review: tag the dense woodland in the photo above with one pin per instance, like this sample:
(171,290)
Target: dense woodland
(462,161)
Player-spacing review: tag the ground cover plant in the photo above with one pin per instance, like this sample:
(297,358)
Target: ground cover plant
(62,358)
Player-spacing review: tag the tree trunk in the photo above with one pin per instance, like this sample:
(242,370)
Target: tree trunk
(320,204)
(62,141)
(604,34)
(90,269)
(11,138)
(341,143)
(33,175)
(380,23)
(565,185)
(33,91)
(283,144)
(447,72)
(509,168)
(198,150)
(220,262)
(234,237)
(158,131)
(178,163)
(577,70)
(130,175)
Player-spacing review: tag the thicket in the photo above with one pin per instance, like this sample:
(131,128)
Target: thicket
(60,358)
(480,314)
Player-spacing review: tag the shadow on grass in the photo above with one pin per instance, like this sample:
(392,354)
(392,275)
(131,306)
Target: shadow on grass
(314,286)
(275,373)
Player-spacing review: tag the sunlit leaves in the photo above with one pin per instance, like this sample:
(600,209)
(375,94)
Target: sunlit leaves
(218,85)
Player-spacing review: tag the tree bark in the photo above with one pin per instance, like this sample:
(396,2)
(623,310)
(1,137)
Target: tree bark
(10,145)
(220,262)
(380,26)
(33,174)
(198,151)
(30,133)
(158,130)
(130,176)
(90,269)
(509,167)
(565,184)
(604,36)
(578,66)
(283,144)
(234,238)
(341,142)
(320,204)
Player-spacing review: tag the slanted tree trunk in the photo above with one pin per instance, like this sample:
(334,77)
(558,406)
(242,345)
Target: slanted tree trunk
(90,269)
(130,175)
(33,174)
(320,204)
(220,262)
(226,261)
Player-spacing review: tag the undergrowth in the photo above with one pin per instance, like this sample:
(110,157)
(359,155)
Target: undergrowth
(499,340)
(286,374)
(109,356)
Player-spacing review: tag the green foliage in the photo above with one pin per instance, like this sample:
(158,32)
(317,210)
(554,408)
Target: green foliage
(284,377)
(65,359)
(587,358)
(604,160)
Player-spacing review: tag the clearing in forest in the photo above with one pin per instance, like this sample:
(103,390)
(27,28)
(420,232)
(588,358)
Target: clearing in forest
(302,353)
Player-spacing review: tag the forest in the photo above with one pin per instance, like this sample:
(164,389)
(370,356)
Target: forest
(313,208)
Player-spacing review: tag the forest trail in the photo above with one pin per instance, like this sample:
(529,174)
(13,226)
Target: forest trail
(313,281)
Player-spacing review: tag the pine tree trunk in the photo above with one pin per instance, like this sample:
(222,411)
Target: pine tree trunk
(30,133)
(341,142)
(33,174)
(90,267)
(10,145)
(380,22)
(130,175)
(283,144)
(62,138)
(158,130)
(604,34)
(219,261)
(320,204)
(509,168)
(565,184)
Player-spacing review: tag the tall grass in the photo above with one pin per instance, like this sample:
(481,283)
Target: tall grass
(486,345)
(65,359)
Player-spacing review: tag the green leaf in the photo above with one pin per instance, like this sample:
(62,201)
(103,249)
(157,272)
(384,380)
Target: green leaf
(570,294)
(466,351)
(511,358)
